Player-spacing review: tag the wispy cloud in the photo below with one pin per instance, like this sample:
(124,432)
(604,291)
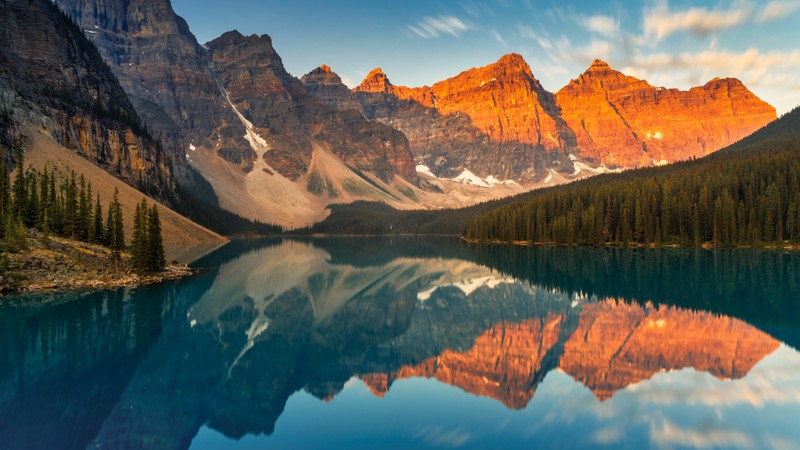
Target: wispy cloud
(497,37)
(660,21)
(560,48)
(777,10)
(434,27)
(605,25)
(543,40)
(723,61)
(440,437)
(669,435)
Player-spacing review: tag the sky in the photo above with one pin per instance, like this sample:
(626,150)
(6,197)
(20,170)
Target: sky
(419,42)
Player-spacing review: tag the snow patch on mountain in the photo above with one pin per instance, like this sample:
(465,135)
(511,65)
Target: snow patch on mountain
(468,286)
(425,170)
(467,177)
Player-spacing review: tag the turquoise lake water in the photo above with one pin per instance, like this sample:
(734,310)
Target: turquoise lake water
(415,343)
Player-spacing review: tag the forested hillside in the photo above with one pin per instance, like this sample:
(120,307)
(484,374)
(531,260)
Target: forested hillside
(747,194)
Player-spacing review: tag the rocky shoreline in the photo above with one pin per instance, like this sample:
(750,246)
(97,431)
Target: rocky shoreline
(53,263)
(172,272)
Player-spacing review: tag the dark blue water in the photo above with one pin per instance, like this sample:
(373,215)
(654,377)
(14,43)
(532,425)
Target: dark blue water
(415,343)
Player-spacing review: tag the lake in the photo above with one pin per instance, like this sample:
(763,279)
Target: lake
(364,343)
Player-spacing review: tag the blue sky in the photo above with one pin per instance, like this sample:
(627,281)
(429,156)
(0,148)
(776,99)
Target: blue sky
(417,42)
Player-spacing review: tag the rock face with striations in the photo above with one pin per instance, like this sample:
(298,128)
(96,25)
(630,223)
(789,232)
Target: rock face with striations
(623,121)
(289,118)
(615,345)
(506,363)
(163,69)
(498,119)
(53,79)
(232,99)
(618,344)
(495,120)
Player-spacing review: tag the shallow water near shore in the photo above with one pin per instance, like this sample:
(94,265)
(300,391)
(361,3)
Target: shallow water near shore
(415,343)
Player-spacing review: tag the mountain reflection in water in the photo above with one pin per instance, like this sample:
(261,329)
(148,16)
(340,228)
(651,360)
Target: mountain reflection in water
(228,349)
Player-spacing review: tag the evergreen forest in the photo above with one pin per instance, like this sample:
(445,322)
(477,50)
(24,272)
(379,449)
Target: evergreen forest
(65,205)
(745,195)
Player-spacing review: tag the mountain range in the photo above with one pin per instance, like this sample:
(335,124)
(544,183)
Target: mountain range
(279,149)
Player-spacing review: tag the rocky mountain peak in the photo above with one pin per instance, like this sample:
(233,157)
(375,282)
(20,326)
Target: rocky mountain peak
(322,81)
(321,75)
(603,99)
(376,72)
(512,64)
(727,83)
(236,39)
(376,81)
(512,60)
(598,65)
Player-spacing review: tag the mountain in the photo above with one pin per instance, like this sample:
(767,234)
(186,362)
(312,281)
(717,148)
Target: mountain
(615,345)
(271,151)
(53,79)
(162,68)
(282,150)
(291,120)
(747,194)
(499,121)
(65,109)
(622,121)
(492,121)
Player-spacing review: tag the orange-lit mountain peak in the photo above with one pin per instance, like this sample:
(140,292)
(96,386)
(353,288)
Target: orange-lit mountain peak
(617,344)
(598,65)
(375,81)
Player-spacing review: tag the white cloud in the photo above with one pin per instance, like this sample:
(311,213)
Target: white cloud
(433,27)
(660,22)
(497,37)
(605,25)
(670,435)
(440,437)
(548,44)
(721,61)
(777,10)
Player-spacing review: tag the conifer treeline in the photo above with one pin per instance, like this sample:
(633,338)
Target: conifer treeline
(66,206)
(746,195)
(147,249)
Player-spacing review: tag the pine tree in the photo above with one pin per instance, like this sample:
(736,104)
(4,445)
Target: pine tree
(139,245)
(32,209)
(90,231)
(82,215)
(115,234)
(20,187)
(10,233)
(99,236)
(155,242)
(5,188)
(70,207)
(44,201)
(56,215)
